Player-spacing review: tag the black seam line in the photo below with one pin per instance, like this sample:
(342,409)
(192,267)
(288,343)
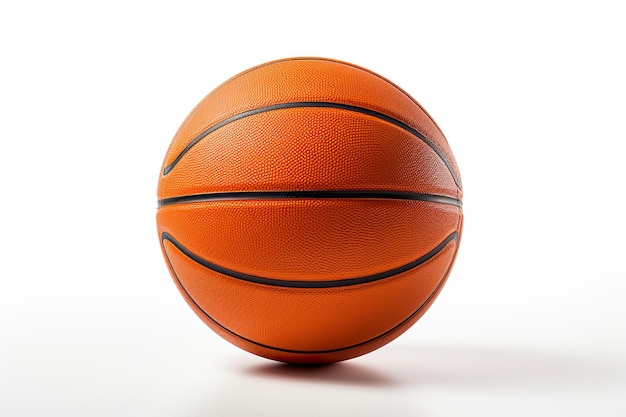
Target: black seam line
(316,194)
(309,284)
(291,105)
(308,352)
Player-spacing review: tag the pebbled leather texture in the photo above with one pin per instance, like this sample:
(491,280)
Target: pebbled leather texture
(309,124)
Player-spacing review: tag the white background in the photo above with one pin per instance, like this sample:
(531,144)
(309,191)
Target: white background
(531,96)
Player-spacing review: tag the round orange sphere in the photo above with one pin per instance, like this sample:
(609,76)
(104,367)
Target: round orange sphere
(309,210)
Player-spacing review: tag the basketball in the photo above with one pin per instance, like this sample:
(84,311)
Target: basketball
(309,210)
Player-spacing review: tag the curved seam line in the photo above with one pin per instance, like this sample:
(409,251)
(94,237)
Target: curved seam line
(319,104)
(380,336)
(309,284)
(312,194)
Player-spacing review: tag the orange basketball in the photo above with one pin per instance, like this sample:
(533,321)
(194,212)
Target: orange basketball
(309,210)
